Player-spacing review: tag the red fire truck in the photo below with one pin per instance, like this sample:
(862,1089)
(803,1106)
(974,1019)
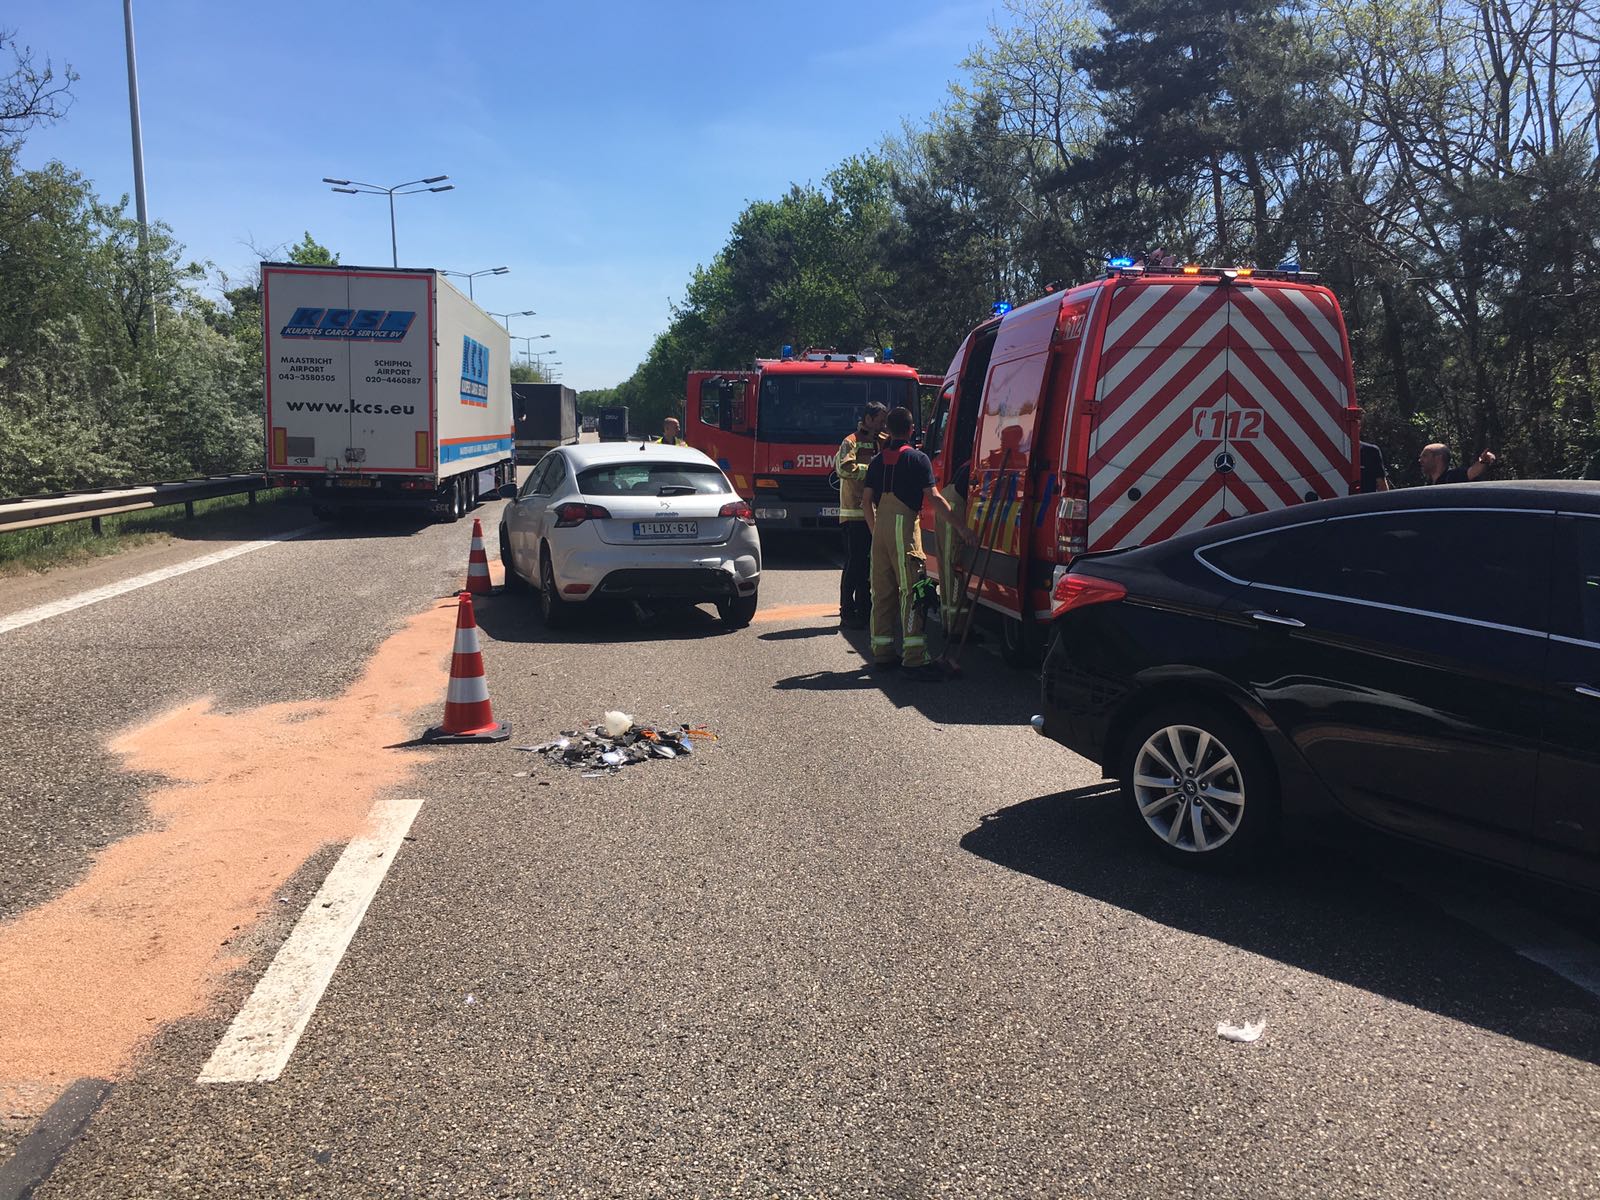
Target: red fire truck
(775,429)
(1127,410)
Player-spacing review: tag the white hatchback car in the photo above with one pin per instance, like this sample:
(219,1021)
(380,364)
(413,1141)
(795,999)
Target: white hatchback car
(631,521)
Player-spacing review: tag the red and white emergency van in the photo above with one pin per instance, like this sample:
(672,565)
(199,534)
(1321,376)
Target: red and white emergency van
(774,430)
(1127,410)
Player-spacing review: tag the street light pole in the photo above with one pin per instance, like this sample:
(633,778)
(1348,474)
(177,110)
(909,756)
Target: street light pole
(138,159)
(469,276)
(356,188)
(506,317)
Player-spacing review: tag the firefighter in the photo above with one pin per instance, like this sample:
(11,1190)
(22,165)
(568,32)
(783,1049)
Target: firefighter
(850,464)
(669,433)
(897,482)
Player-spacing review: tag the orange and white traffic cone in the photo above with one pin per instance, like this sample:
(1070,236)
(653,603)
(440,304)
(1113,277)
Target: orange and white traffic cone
(467,715)
(478,563)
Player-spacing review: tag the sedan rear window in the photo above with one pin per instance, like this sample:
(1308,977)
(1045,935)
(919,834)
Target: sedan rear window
(653,479)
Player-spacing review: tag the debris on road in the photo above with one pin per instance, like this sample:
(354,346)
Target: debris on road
(617,742)
(1248,1032)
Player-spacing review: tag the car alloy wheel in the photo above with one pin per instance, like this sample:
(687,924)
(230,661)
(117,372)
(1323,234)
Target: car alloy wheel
(1189,788)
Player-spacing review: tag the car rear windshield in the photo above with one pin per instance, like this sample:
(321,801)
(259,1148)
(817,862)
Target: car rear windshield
(653,479)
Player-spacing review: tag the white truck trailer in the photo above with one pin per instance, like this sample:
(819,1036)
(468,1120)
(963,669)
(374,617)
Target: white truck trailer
(384,389)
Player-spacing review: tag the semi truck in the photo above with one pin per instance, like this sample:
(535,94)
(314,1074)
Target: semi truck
(385,388)
(546,417)
(774,430)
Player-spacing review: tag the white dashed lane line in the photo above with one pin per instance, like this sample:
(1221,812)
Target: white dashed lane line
(263,1036)
(32,616)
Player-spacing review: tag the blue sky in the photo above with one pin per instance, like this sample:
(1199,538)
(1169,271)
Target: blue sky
(600,151)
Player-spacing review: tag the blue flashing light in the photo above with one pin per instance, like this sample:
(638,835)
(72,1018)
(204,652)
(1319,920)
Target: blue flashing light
(888,354)
(787,352)
(1002,307)
(1121,263)
(1290,265)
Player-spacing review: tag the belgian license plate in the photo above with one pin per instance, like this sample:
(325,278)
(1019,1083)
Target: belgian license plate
(358,483)
(828,512)
(666,529)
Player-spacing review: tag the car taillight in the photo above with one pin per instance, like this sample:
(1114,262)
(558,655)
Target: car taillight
(740,510)
(1072,517)
(1080,591)
(568,515)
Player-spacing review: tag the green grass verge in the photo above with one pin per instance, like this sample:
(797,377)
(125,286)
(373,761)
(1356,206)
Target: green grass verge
(26,550)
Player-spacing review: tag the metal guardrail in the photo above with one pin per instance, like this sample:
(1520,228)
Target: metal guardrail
(31,512)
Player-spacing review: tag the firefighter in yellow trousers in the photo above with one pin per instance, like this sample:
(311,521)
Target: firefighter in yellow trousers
(897,482)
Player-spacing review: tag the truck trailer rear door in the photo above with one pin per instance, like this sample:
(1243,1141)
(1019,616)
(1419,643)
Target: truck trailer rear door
(307,367)
(392,378)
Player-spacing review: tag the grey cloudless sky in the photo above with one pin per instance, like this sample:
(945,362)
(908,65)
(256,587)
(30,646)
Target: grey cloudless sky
(600,151)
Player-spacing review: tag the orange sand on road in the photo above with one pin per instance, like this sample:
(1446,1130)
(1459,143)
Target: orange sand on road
(796,612)
(88,977)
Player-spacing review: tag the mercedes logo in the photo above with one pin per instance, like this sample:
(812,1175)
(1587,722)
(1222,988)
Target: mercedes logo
(1223,462)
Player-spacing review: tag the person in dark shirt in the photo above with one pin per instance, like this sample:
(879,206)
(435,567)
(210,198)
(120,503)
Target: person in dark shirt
(897,483)
(1374,475)
(1435,463)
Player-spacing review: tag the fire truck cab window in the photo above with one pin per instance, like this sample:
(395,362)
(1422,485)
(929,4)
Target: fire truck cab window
(710,402)
(823,408)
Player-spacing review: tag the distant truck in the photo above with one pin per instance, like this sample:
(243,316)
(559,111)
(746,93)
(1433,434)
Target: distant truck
(614,424)
(384,389)
(546,416)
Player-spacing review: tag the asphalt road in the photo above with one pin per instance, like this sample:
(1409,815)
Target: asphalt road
(879,939)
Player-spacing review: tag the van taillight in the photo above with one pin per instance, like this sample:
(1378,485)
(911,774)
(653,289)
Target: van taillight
(740,510)
(1072,517)
(1080,591)
(568,515)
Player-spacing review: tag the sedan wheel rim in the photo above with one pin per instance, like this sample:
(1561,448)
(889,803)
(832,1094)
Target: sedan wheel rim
(1189,788)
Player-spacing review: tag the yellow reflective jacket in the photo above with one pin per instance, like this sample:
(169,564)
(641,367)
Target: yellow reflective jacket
(850,465)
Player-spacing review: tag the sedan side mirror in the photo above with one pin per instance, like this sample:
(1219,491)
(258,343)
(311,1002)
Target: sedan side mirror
(507,491)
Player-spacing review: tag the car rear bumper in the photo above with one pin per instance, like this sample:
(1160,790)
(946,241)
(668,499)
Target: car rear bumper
(687,572)
(695,584)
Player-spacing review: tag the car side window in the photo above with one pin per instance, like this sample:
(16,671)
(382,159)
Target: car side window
(555,473)
(1277,558)
(530,485)
(1479,564)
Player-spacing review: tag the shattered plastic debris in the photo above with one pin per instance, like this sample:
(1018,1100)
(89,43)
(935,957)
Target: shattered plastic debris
(612,745)
(1248,1032)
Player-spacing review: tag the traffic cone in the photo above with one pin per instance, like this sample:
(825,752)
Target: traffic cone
(467,715)
(478,563)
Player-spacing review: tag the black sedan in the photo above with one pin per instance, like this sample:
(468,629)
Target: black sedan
(1426,660)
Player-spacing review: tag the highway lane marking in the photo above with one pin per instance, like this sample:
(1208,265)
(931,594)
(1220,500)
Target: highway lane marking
(1538,939)
(43,612)
(263,1035)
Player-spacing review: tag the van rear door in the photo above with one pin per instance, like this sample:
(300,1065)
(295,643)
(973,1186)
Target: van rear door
(1290,428)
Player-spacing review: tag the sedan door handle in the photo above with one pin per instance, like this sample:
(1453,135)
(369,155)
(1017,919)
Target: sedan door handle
(1584,690)
(1267,618)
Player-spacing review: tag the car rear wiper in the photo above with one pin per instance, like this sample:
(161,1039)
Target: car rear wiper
(676,489)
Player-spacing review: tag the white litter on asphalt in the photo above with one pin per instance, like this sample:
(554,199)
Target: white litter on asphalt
(266,1030)
(1248,1032)
(32,616)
